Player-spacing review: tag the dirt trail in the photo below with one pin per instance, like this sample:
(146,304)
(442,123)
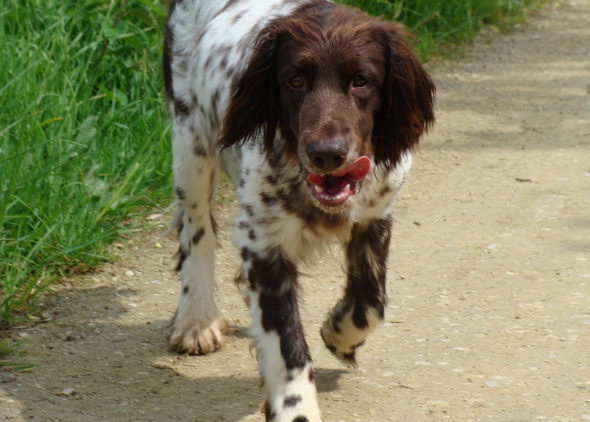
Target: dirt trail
(489,283)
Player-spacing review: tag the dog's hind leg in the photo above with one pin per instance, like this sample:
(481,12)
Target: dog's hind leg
(363,306)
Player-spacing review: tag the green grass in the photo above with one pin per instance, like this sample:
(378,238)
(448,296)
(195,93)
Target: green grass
(8,348)
(84,136)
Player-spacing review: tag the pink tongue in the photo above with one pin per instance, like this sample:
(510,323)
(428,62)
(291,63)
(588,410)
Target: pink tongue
(357,170)
(315,179)
(354,172)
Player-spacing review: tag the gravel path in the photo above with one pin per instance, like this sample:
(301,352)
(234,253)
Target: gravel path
(489,282)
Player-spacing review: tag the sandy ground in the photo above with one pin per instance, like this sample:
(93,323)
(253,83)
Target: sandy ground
(489,312)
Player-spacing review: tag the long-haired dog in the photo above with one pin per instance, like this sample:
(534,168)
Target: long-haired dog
(312,109)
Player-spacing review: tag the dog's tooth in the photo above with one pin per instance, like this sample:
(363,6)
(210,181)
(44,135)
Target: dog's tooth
(346,188)
(318,188)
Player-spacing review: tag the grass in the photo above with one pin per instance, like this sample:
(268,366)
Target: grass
(84,136)
(8,348)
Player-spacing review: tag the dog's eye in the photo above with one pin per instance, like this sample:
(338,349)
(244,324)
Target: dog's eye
(296,81)
(359,82)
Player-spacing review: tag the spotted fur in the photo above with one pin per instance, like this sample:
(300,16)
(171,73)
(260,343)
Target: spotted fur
(288,97)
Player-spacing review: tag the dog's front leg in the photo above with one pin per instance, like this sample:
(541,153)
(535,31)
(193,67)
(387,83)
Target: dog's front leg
(283,355)
(363,307)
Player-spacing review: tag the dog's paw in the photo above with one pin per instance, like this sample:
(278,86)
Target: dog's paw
(198,339)
(293,401)
(342,347)
(300,416)
(341,334)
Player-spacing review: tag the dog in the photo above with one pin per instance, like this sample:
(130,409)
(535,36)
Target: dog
(312,109)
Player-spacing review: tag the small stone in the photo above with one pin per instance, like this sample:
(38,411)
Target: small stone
(154,217)
(68,391)
(438,403)
(70,336)
(129,273)
(158,245)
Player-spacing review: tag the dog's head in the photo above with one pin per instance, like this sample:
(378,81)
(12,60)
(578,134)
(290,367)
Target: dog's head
(343,89)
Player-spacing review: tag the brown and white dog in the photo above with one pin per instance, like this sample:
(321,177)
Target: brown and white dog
(312,109)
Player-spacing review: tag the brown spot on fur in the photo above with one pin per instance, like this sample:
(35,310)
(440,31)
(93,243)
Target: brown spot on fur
(274,277)
(268,199)
(249,210)
(214,224)
(198,235)
(199,150)
(180,193)
(268,413)
(292,400)
(366,277)
(181,257)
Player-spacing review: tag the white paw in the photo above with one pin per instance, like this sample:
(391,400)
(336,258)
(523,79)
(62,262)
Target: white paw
(198,339)
(342,337)
(295,400)
(339,345)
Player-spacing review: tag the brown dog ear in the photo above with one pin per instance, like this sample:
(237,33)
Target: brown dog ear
(254,109)
(408,98)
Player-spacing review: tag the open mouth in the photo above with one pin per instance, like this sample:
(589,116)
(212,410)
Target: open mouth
(334,189)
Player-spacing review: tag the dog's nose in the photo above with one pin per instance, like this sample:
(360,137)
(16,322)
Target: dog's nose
(327,155)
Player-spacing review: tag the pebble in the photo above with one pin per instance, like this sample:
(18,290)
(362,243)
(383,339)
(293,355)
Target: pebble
(68,391)
(438,403)
(129,273)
